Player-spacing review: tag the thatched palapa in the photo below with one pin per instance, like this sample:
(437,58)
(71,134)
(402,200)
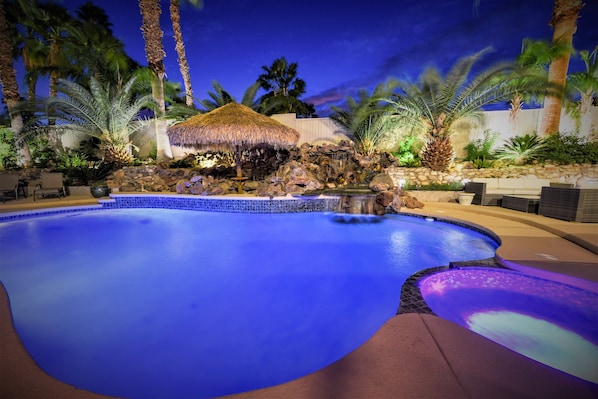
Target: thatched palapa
(230,126)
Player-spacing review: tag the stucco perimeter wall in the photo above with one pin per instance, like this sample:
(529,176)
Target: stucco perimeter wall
(319,130)
(555,173)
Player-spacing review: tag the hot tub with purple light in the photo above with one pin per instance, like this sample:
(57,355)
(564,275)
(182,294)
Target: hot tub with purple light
(553,323)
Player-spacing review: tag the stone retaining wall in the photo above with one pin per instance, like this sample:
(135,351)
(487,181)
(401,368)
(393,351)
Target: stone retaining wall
(554,173)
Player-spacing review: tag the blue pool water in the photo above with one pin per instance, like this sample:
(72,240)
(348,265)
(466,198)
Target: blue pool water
(553,323)
(154,303)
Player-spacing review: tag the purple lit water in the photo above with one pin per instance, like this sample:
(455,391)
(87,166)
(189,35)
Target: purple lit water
(156,303)
(553,323)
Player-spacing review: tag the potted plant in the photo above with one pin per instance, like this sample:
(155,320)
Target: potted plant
(100,189)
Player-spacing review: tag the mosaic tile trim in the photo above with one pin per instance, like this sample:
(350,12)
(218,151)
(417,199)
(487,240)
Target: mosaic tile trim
(222,204)
(412,300)
(12,216)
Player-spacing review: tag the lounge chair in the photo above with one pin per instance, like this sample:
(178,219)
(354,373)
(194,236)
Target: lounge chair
(9,184)
(51,185)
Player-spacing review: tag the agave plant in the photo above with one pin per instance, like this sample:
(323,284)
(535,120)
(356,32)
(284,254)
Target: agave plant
(111,116)
(522,149)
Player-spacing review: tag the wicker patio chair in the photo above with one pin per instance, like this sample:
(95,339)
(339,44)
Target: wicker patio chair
(572,204)
(51,185)
(9,184)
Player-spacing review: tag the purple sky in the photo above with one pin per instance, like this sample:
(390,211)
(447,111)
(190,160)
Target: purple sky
(340,46)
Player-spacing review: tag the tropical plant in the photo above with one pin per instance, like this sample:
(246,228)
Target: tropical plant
(564,24)
(533,63)
(109,115)
(433,186)
(10,89)
(569,149)
(406,153)
(154,52)
(283,89)
(367,120)
(97,51)
(175,17)
(220,97)
(521,149)
(436,102)
(8,155)
(586,85)
(480,152)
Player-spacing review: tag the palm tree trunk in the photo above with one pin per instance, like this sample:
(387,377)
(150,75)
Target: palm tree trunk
(175,17)
(564,22)
(154,52)
(10,89)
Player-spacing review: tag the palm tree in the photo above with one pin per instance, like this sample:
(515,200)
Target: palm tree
(154,52)
(564,23)
(97,51)
(175,17)
(436,102)
(283,89)
(101,112)
(25,18)
(533,62)
(367,119)
(10,89)
(221,97)
(586,84)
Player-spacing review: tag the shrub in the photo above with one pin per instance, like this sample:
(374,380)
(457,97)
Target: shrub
(434,186)
(406,154)
(480,152)
(8,153)
(567,149)
(522,149)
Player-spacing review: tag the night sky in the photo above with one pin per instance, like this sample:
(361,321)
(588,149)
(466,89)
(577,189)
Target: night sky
(340,46)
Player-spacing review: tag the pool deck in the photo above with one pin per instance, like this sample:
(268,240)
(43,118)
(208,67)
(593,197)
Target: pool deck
(412,355)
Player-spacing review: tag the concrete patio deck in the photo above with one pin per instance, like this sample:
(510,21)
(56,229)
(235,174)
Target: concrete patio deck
(412,355)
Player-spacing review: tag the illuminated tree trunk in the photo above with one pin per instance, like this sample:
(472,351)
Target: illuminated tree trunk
(175,17)
(10,89)
(564,23)
(154,52)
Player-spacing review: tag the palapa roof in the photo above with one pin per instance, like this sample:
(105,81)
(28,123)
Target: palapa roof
(230,125)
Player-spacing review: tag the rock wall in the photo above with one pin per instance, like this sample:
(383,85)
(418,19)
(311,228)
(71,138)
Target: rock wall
(460,173)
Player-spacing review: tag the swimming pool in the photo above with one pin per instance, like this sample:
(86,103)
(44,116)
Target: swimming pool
(550,322)
(144,303)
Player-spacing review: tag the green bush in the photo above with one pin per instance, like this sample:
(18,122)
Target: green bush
(8,153)
(406,154)
(568,149)
(479,152)
(434,186)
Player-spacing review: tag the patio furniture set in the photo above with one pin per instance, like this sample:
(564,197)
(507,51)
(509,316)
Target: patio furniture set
(532,195)
(50,185)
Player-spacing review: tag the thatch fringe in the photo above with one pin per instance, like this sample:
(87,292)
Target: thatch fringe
(231,125)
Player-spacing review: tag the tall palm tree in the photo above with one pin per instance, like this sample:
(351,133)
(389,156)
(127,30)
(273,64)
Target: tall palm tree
(564,23)
(97,51)
(283,89)
(175,17)
(111,115)
(533,62)
(435,103)
(25,18)
(586,85)
(10,89)
(154,52)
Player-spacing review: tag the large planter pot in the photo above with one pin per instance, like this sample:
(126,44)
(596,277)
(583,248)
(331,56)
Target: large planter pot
(100,191)
(465,198)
